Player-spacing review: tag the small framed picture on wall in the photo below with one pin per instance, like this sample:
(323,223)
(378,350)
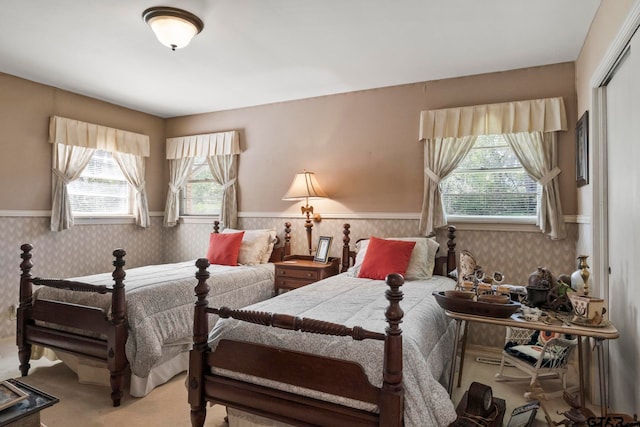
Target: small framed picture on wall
(322,254)
(582,150)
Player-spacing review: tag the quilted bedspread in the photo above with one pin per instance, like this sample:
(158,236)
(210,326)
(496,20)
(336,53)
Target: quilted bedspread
(160,300)
(426,330)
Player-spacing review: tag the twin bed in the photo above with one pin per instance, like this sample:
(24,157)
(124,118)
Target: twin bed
(347,350)
(145,328)
(341,351)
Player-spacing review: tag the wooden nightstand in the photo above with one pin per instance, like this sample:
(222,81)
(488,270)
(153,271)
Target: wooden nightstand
(300,270)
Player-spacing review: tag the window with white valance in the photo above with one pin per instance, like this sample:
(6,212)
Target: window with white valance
(221,150)
(74,144)
(529,127)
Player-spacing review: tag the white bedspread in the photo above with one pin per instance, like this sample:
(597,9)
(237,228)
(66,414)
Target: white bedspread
(160,301)
(426,330)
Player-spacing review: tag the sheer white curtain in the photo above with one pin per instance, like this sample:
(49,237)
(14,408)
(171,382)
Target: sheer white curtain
(132,167)
(538,154)
(451,129)
(225,171)
(179,170)
(74,142)
(441,157)
(68,163)
(222,150)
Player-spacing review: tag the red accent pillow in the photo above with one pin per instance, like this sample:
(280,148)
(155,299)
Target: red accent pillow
(224,248)
(384,257)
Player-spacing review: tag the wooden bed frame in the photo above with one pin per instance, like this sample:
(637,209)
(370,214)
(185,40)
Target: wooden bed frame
(93,320)
(323,374)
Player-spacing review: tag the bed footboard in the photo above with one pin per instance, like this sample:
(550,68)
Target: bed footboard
(53,324)
(325,375)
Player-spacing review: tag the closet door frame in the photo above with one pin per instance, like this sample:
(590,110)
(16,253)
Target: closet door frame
(599,165)
(598,133)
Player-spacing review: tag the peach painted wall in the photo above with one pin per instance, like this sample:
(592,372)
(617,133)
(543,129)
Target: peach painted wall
(605,26)
(364,146)
(25,164)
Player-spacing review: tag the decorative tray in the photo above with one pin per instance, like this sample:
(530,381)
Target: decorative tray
(579,322)
(477,308)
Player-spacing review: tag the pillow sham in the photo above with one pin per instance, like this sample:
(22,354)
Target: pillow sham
(273,238)
(256,246)
(224,248)
(384,257)
(421,264)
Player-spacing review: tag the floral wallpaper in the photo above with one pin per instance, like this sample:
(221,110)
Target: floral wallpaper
(87,249)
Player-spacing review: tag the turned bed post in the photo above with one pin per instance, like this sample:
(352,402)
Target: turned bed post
(392,393)
(116,357)
(200,345)
(451,253)
(26,303)
(287,238)
(346,252)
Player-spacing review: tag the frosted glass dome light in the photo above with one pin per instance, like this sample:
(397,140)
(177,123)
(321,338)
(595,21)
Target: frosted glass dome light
(173,27)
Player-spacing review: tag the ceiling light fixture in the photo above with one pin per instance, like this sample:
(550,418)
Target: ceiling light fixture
(173,27)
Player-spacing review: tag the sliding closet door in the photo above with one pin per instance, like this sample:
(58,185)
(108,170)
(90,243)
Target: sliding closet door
(623,189)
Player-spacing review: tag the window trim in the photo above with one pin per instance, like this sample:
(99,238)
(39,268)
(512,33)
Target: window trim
(198,219)
(93,219)
(105,217)
(493,219)
(189,218)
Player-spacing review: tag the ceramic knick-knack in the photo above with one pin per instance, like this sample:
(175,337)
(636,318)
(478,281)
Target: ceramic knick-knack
(580,277)
(498,278)
(539,284)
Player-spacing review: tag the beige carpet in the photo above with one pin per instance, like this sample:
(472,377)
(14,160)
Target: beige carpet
(90,406)
(84,405)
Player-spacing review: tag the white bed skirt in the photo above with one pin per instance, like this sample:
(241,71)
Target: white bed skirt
(93,372)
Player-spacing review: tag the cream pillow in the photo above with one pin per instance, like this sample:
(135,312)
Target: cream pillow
(421,264)
(256,246)
(272,242)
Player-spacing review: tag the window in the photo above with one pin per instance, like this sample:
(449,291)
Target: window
(101,189)
(202,195)
(490,182)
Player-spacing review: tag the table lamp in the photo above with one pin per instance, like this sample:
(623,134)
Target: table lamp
(305,187)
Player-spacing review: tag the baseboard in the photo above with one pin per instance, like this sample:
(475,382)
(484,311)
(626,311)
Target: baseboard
(483,351)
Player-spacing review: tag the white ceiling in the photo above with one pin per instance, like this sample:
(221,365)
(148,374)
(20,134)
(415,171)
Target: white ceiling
(254,52)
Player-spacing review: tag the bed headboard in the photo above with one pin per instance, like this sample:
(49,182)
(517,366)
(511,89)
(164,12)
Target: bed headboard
(280,250)
(445,264)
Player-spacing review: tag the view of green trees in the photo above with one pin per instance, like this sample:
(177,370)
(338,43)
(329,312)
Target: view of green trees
(490,181)
(201,196)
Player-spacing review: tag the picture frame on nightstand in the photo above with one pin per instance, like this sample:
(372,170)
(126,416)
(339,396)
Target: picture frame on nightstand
(322,253)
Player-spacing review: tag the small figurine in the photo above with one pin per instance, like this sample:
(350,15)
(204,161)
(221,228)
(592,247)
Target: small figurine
(498,278)
(558,298)
(470,271)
